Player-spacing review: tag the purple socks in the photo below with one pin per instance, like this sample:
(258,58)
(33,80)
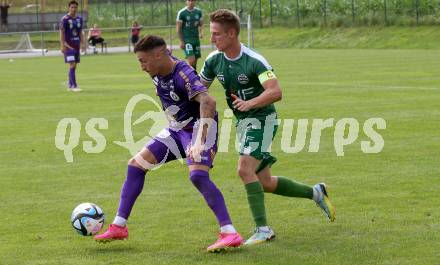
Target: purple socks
(72,78)
(133,185)
(212,195)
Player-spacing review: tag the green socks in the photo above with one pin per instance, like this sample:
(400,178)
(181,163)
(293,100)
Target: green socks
(255,195)
(285,187)
(290,188)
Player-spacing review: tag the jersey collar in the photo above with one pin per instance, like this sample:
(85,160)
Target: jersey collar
(238,56)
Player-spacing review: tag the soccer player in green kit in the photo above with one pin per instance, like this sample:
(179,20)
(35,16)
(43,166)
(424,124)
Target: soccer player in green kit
(189,26)
(251,88)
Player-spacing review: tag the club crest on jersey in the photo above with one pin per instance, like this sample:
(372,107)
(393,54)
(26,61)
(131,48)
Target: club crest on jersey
(221,78)
(174,96)
(243,79)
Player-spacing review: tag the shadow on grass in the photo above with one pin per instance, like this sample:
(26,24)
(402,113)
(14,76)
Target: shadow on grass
(113,248)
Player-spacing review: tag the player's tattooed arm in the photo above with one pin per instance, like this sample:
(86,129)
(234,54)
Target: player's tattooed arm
(272,93)
(207,112)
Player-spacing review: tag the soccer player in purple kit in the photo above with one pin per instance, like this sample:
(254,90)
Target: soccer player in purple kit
(71,41)
(192,133)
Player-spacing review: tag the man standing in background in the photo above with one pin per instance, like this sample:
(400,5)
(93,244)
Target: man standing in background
(4,15)
(71,41)
(189,26)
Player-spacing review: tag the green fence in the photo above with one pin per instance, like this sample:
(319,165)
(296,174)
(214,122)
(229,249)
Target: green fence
(33,15)
(291,13)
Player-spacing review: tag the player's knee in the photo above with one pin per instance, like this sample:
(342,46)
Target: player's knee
(198,176)
(144,160)
(244,172)
(192,61)
(132,162)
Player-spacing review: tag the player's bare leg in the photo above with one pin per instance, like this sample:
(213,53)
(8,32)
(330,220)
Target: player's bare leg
(192,60)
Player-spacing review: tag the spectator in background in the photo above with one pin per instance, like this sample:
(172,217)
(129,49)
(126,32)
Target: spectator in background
(135,31)
(4,6)
(95,37)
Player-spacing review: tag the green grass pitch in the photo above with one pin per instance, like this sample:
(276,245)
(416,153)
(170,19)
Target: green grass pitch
(387,203)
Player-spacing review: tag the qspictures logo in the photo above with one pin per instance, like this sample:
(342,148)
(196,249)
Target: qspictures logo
(346,131)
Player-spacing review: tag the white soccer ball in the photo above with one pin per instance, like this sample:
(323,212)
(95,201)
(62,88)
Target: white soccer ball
(87,219)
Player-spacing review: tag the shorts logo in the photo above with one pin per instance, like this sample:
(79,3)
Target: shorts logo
(70,58)
(188,47)
(221,78)
(243,79)
(174,96)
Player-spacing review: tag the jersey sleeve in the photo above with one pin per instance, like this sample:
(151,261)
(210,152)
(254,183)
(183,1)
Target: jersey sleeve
(179,16)
(190,83)
(63,24)
(207,72)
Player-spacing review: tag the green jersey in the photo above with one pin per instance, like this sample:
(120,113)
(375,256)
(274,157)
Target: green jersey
(191,20)
(242,76)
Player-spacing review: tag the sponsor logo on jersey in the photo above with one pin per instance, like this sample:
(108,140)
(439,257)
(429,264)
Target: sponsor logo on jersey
(221,78)
(174,96)
(243,79)
(188,17)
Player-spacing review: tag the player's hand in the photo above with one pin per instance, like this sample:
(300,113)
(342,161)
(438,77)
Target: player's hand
(240,104)
(182,45)
(195,152)
(63,49)
(201,35)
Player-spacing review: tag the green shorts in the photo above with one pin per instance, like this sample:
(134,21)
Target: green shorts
(255,140)
(192,48)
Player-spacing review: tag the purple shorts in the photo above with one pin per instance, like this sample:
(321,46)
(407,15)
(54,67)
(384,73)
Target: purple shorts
(169,145)
(71,56)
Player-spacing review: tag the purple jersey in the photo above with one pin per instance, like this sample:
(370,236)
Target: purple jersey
(72,27)
(176,92)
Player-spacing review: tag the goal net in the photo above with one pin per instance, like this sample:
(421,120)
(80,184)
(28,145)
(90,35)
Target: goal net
(17,43)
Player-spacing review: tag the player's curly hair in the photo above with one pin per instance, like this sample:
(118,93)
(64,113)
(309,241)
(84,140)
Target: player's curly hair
(227,18)
(148,43)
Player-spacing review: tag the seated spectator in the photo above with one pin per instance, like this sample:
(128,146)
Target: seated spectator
(95,37)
